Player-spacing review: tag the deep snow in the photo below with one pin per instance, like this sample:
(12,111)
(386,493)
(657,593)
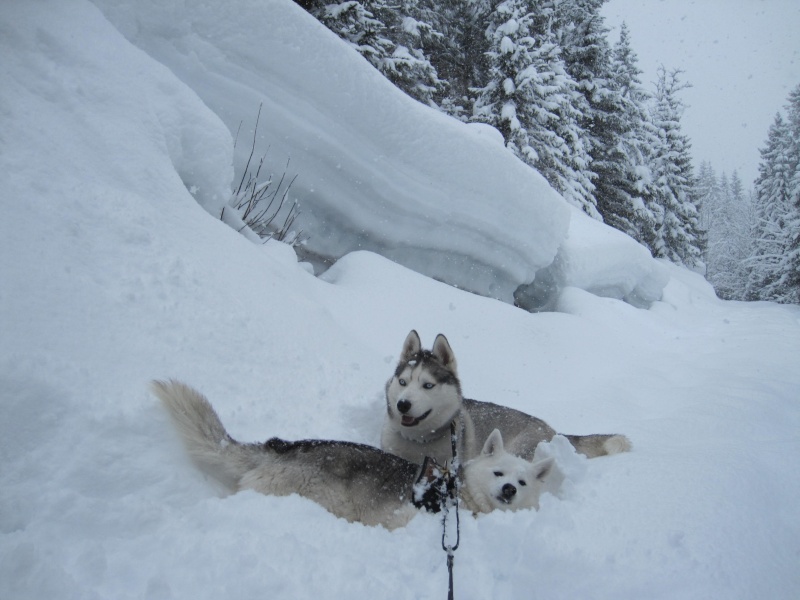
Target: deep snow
(112,274)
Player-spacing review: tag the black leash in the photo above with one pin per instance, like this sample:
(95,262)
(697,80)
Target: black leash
(436,490)
(449,498)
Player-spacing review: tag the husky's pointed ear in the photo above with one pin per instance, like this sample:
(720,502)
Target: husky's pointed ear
(443,353)
(494,443)
(541,469)
(411,346)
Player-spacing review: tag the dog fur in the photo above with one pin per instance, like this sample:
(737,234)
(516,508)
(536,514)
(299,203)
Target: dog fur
(497,479)
(353,481)
(423,397)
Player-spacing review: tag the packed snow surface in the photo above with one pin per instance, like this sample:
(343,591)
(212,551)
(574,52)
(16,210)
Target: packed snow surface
(113,274)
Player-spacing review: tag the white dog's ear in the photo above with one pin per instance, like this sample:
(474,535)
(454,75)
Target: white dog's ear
(542,468)
(443,352)
(411,346)
(494,444)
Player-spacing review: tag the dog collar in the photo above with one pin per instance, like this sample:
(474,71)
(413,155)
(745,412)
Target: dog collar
(413,434)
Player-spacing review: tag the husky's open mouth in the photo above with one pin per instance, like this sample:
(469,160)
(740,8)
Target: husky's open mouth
(409,421)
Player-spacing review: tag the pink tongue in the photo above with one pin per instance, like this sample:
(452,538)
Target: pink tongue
(408,420)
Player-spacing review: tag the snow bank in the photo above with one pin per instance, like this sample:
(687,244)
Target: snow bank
(599,260)
(85,95)
(376,170)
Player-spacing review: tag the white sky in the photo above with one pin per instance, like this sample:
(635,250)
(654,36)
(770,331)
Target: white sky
(741,56)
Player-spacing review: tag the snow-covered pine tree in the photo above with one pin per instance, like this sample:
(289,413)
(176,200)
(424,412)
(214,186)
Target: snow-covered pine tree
(739,226)
(361,23)
(624,185)
(508,90)
(677,235)
(409,66)
(530,98)
(458,51)
(581,34)
(390,36)
(579,29)
(709,197)
(775,229)
(726,218)
(791,260)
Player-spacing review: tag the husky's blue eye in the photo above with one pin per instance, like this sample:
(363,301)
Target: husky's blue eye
(428,386)
(401,382)
(498,473)
(522,482)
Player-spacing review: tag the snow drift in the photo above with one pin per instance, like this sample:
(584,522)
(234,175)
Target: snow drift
(376,170)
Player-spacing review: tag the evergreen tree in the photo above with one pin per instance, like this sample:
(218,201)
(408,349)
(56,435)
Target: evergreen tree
(624,186)
(775,230)
(739,222)
(363,24)
(409,67)
(580,32)
(530,99)
(709,192)
(390,36)
(791,261)
(677,236)
(726,217)
(459,52)
(509,90)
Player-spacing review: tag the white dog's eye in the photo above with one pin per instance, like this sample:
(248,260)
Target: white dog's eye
(401,382)
(428,386)
(522,482)
(498,473)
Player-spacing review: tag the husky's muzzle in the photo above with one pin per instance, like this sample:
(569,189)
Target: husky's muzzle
(407,420)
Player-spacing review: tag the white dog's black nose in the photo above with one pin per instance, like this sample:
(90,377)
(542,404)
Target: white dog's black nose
(403,406)
(508,491)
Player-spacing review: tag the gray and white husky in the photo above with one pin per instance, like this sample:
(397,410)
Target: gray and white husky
(423,398)
(353,481)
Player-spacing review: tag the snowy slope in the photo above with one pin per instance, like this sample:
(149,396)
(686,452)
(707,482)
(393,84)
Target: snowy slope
(376,170)
(112,274)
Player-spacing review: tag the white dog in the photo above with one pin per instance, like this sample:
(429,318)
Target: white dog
(496,479)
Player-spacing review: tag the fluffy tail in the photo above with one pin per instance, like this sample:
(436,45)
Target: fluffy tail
(204,435)
(600,444)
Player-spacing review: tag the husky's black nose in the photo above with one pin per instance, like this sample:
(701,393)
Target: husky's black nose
(403,406)
(509,491)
